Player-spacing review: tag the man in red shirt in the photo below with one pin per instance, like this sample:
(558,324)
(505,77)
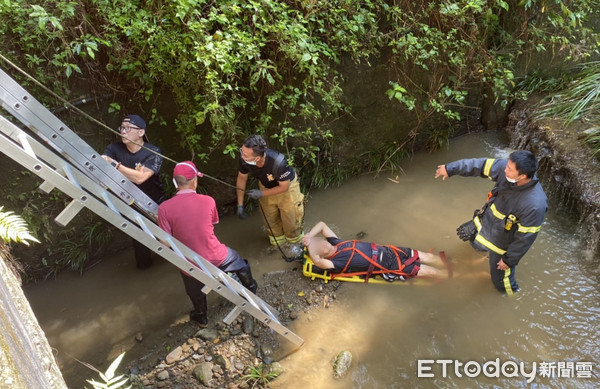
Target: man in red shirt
(190,217)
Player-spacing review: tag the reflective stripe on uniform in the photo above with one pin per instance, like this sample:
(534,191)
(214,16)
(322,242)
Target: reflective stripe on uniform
(487,244)
(496,213)
(276,240)
(477,223)
(531,230)
(506,281)
(296,239)
(488,166)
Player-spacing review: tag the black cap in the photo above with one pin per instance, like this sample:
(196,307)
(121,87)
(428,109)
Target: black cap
(136,120)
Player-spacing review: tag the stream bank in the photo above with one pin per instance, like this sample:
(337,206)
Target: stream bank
(570,175)
(569,171)
(237,355)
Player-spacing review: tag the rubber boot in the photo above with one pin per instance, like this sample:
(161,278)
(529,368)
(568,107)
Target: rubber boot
(245,276)
(199,313)
(193,289)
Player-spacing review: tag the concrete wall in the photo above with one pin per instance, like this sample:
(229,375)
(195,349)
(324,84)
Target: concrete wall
(26,359)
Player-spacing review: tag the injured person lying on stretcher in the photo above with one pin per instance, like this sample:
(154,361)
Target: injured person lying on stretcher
(357,258)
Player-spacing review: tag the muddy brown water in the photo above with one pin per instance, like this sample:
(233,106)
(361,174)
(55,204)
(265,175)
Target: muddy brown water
(553,322)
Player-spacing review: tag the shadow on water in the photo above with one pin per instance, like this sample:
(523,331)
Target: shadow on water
(388,328)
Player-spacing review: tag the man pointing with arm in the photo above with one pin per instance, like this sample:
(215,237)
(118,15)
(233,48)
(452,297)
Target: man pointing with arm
(509,222)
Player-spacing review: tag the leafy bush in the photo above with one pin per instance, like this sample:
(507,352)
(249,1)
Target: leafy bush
(272,67)
(235,67)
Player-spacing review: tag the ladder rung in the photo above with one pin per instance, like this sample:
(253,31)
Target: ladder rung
(231,316)
(57,171)
(46,187)
(68,213)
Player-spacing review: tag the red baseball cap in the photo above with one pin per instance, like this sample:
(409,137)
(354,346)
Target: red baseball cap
(187,169)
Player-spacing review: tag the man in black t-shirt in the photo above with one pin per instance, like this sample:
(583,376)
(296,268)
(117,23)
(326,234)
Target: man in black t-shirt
(139,161)
(279,191)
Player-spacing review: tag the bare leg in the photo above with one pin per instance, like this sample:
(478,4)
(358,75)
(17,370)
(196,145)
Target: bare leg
(431,259)
(433,266)
(430,272)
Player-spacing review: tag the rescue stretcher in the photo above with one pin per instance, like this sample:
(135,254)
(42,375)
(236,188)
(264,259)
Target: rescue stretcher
(311,271)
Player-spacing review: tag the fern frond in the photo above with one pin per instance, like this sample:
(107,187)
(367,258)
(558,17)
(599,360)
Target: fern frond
(14,229)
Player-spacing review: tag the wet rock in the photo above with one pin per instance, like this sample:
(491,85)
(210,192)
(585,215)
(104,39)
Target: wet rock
(162,375)
(276,369)
(139,337)
(239,366)
(249,324)
(204,373)
(174,355)
(244,385)
(239,352)
(266,349)
(194,344)
(311,297)
(134,370)
(207,334)
(341,364)
(222,362)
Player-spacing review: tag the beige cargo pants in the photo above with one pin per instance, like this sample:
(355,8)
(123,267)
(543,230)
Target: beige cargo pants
(284,213)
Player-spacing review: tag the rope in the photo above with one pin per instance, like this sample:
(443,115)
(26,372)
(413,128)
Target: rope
(94,120)
(285,257)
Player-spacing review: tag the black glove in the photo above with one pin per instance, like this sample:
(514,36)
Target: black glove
(255,194)
(467,231)
(240,212)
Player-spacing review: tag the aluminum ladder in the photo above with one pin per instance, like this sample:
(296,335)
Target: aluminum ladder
(86,177)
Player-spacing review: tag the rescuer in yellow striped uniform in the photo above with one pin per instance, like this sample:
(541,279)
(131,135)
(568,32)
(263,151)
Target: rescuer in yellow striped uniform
(509,222)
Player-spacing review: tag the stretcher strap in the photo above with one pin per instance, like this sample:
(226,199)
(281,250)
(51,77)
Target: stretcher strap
(374,263)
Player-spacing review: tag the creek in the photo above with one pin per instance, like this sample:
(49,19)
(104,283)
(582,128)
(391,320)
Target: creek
(388,328)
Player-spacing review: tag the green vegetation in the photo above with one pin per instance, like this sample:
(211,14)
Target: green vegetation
(573,97)
(235,67)
(579,99)
(259,376)
(229,68)
(14,228)
(110,380)
(74,244)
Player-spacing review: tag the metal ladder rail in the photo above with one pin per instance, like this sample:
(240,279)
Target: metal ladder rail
(22,105)
(44,163)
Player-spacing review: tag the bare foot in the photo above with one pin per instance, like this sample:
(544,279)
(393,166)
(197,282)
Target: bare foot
(480,260)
